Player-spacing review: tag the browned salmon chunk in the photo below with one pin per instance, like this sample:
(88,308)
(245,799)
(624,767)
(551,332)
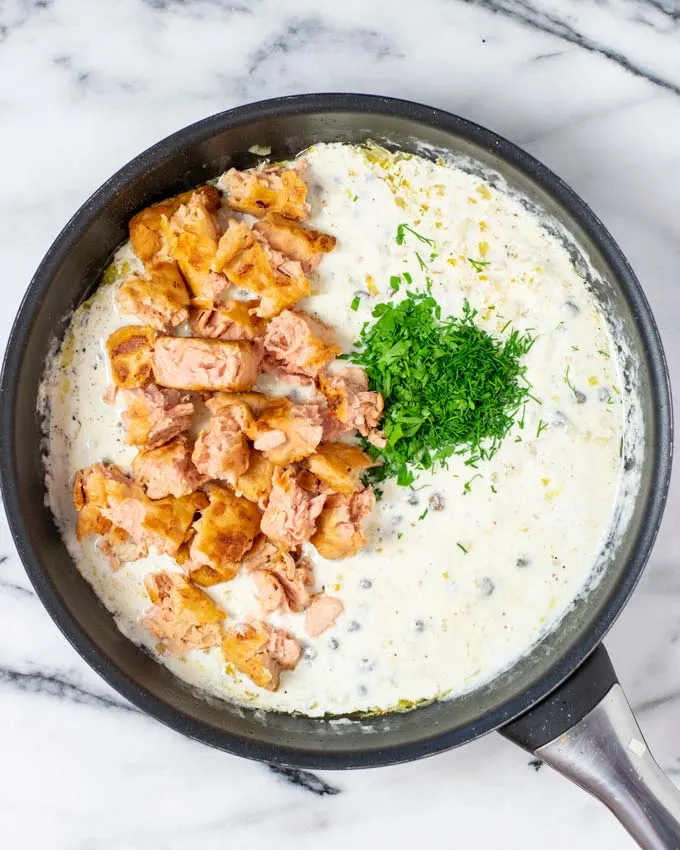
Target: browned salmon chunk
(351,404)
(154,415)
(338,529)
(297,242)
(167,470)
(285,432)
(272,189)
(130,351)
(322,614)
(160,300)
(224,533)
(228,320)
(339,466)
(183,616)
(185,363)
(147,228)
(222,450)
(261,652)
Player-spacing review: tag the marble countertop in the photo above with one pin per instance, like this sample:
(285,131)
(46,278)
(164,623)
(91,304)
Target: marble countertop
(593,89)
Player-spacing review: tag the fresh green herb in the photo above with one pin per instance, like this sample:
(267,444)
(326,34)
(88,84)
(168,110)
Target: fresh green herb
(395,282)
(407,277)
(423,515)
(518,439)
(355,303)
(493,489)
(603,353)
(468,484)
(568,382)
(520,421)
(460,546)
(449,386)
(478,265)
(421,262)
(560,325)
(400,534)
(403,229)
(541,427)
(355,199)
(575,348)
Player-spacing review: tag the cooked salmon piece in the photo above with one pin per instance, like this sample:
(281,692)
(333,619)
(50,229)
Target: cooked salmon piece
(120,548)
(193,234)
(160,300)
(147,228)
(322,614)
(167,470)
(299,243)
(285,432)
(270,189)
(186,363)
(130,351)
(255,484)
(268,591)
(299,344)
(224,533)
(291,514)
(249,262)
(183,616)
(351,404)
(228,320)
(154,416)
(89,498)
(339,466)
(222,450)
(338,529)
(264,553)
(162,524)
(284,584)
(261,652)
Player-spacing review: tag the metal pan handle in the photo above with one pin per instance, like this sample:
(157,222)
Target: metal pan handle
(586,730)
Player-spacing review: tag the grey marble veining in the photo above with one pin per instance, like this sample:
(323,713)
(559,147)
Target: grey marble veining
(593,89)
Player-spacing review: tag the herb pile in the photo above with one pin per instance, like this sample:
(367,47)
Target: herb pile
(450,387)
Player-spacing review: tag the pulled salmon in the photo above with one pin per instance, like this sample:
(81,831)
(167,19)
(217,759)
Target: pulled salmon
(183,616)
(299,344)
(270,189)
(221,449)
(303,244)
(321,614)
(154,415)
(261,652)
(186,363)
(224,533)
(284,584)
(120,548)
(292,511)
(338,530)
(351,405)
(167,470)
(160,300)
(228,320)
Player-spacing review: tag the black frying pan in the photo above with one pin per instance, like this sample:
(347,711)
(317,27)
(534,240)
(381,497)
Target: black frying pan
(572,714)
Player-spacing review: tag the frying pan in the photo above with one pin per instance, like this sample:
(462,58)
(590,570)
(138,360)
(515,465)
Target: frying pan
(561,701)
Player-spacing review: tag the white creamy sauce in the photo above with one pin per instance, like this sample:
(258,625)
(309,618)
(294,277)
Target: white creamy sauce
(437,602)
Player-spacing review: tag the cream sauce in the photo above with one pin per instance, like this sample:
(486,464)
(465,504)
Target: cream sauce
(443,600)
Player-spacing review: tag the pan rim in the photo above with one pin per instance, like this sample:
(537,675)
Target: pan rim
(362,104)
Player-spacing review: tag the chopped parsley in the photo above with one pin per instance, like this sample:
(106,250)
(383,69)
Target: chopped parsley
(450,387)
(395,282)
(407,277)
(355,303)
(478,265)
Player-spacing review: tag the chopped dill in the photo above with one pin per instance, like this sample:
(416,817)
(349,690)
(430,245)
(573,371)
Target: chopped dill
(478,265)
(449,386)
(424,514)
(541,427)
(403,229)
(421,262)
(460,546)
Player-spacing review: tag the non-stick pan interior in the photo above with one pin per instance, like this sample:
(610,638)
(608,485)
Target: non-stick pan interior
(71,270)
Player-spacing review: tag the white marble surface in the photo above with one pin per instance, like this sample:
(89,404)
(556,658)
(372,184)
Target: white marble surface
(593,89)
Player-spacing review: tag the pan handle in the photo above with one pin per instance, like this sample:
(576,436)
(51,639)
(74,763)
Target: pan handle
(586,730)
